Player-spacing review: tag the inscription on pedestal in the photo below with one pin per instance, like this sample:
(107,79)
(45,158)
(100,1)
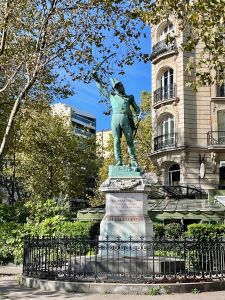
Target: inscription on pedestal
(126,203)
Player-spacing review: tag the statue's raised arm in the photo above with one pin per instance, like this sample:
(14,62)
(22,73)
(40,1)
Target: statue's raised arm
(103,90)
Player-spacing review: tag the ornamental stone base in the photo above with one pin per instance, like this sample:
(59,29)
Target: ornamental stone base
(126,217)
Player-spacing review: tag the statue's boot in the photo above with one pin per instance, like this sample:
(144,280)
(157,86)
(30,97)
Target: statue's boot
(134,163)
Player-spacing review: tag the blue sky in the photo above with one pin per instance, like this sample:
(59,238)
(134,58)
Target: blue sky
(137,78)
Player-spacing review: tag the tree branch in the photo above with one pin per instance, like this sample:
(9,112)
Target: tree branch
(10,80)
(5,28)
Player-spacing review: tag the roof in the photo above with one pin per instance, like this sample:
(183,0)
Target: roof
(182,205)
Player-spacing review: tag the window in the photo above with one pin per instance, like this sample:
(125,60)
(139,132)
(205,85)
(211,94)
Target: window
(174,175)
(165,31)
(221,127)
(166,133)
(221,84)
(166,126)
(166,84)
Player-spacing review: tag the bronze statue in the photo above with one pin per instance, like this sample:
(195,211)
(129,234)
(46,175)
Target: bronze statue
(122,118)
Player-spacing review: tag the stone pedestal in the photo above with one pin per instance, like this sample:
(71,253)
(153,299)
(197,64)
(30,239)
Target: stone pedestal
(126,210)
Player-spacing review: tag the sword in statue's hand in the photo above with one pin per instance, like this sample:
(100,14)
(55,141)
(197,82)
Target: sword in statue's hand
(100,64)
(138,122)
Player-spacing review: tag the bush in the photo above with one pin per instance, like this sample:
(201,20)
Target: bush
(17,213)
(11,242)
(158,230)
(12,234)
(204,232)
(173,231)
(38,218)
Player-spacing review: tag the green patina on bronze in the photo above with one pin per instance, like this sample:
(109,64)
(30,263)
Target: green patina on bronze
(125,171)
(122,119)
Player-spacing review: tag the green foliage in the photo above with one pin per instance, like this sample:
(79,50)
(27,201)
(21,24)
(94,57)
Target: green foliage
(11,242)
(37,218)
(173,231)
(39,37)
(204,232)
(48,160)
(166,290)
(195,291)
(169,231)
(12,234)
(16,213)
(154,291)
(144,134)
(40,209)
(158,230)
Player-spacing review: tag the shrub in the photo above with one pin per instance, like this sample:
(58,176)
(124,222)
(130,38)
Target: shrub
(11,242)
(17,212)
(12,234)
(173,230)
(158,230)
(204,232)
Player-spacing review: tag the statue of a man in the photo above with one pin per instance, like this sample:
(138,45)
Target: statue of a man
(122,119)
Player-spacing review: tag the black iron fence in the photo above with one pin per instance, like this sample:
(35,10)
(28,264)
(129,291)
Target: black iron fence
(216,138)
(165,141)
(76,259)
(165,93)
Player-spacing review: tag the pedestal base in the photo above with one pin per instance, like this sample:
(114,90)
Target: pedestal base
(129,265)
(126,217)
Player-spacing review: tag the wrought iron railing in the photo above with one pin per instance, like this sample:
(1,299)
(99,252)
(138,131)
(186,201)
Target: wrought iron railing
(216,138)
(165,93)
(184,191)
(165,141)
(162,47)
(157,260)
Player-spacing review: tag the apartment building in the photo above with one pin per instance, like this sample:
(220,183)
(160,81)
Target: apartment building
(189,126)
(83,123)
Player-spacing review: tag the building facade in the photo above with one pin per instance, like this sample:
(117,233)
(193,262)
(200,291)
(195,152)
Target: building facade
(102,139)
(189,127)
(83,123)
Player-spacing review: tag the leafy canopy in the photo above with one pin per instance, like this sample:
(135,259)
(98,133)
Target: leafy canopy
(66,37)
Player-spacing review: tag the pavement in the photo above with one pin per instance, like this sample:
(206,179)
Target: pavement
(11,290)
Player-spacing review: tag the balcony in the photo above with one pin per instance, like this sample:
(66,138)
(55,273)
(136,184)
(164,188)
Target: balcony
(83,132)
(165,93)
(216,139)
(165,141)
(163,47)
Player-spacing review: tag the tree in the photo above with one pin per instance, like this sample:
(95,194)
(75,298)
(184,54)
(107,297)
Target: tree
(144,134)
(66,37)
(203,22)
(49,161)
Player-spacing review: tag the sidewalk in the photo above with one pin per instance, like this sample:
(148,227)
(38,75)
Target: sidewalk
(10,290)
(10,269)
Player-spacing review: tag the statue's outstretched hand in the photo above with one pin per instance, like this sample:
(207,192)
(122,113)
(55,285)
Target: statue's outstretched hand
(95,75)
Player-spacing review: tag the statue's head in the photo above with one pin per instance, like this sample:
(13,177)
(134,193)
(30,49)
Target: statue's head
(117,85)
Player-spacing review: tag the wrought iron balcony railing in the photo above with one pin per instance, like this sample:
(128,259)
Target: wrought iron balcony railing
(220,91)
(165,93)
(165,141)
(162,47)
(216,138)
